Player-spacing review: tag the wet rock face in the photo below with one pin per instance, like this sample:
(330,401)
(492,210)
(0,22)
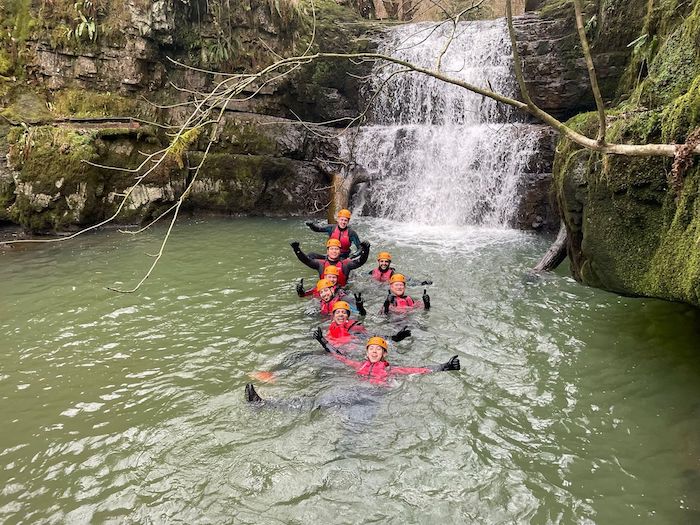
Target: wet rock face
(555,70)
(257,165)
(537,209)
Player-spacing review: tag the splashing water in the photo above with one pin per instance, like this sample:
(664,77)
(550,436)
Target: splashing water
(436,153)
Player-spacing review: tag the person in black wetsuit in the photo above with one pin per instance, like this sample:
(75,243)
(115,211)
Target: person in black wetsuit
(333,259)
(340,231)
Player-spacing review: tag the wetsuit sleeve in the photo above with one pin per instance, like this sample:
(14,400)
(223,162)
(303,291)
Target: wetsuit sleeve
(311,263)
(315,227)
(309,292)
(355,365)
(405,370)
(354,238)
(351,264)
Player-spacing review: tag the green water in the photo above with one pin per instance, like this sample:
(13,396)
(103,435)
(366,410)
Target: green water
(572,406)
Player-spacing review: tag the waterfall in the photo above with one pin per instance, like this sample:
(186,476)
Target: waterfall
(435,152)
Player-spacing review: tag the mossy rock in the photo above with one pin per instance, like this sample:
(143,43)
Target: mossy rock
(629,233)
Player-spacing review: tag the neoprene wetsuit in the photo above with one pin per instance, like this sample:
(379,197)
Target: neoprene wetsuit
(344,265)
(346,236)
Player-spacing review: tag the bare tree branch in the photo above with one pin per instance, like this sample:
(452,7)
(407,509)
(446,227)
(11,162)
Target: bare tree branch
(591,72)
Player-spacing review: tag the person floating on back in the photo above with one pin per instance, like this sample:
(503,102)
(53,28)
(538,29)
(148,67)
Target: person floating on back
(332,258)
(340,231)
(375,368)
(398,301)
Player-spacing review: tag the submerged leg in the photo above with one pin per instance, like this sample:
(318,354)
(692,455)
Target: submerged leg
(251,395)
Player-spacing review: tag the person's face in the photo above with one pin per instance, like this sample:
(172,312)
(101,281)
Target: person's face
(343,222)
(326,293)
(397,288)
(384,263)
(333,252)
(340,316)
(331,277)
(375,353)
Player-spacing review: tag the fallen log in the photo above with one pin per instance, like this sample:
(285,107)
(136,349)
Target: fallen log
(556,253)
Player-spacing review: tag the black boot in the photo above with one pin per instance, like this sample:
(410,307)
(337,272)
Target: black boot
(251,395)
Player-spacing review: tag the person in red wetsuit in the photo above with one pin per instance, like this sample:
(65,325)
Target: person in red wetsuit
(330,274)
(398,301)
(375,368)
(328,294)
(339,231)
(383,272)
(332,258)
(343,330)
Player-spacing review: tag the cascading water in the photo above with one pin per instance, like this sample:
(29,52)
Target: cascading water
(435,152)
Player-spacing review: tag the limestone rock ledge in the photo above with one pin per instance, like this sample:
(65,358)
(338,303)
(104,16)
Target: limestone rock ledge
(257,165)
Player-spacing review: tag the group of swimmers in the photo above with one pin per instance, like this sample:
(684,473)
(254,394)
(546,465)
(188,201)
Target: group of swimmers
(334,300)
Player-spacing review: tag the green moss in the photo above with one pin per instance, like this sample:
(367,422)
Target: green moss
(248,138)
(83,103)
(628,233)
(682,115)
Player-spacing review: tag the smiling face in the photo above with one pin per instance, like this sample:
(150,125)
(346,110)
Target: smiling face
(326,294)
(383,263)
(331,277)
(340,316)
(333,252)
(397,288)
(375,353)
(343,222)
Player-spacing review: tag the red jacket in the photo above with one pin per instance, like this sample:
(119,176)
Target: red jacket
(344,333)
(379,372)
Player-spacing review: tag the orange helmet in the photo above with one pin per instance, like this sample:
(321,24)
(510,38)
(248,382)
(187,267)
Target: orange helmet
(397,278)
(331,270)
(378,341)
(344,213)
(323,283)
(341,305)
(384,255)
(333,242)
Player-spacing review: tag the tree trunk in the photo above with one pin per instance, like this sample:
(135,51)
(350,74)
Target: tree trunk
(556,253)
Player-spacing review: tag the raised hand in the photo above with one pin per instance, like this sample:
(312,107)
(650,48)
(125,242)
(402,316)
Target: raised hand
(365,245)
(401,335)
(300,288)
(423,283)
(294,245)
(426,299)
(387,303)
(360,303)
(452,364)
(318,335)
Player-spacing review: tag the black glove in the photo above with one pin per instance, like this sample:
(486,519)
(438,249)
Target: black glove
(294,245)
(365,245)
(318,335)
(424,283)
(387,303)
(300,288)
(452,364)
(360,303)
(401,335)
(426,299)
(309,223)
